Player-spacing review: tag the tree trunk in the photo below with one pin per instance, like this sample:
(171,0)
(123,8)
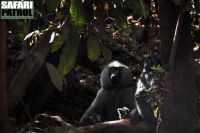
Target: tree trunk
(183,79)
(5,126)
(168,13)
(177,114)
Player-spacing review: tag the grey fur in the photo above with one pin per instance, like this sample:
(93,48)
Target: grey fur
(146,81)
(111,96)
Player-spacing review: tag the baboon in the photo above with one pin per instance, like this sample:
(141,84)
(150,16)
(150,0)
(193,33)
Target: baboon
(117,91)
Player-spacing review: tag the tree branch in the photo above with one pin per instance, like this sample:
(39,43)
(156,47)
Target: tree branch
(118,126)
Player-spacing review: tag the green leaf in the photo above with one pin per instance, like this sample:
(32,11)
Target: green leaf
(55,76)
(152,104)
(93,48)
(69,53)
(154,68)
(140,7)
(158,96)
(77,14)
(70,50)
(52,4)
(155,112)
(157,69)
(57,129)
(60,40)
(145,9)
(106,53)
(148,90)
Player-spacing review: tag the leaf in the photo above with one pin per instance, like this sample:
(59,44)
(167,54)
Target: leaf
(158,96)
(148,90)
(77,14)
(152,104)
(70,50)
(155,112)
(29,35)
(55,76)
(106,53)
(154,68)
(144,8)
(157,69)
(68,57)
(93,48)
(140,7)
(57,129)
(52,4)
(60,40)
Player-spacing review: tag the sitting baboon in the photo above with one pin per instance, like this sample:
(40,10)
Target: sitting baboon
(117,91)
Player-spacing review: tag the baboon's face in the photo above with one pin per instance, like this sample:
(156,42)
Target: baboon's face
(115,74)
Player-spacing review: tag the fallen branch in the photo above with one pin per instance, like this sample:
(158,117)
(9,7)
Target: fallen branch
(122,126)
(118,126)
